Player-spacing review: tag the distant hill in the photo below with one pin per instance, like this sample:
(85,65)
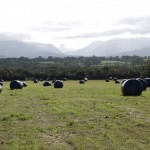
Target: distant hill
(139,52)
(86,51)
(3,56)
(30,50)
(112,47)
(47,47)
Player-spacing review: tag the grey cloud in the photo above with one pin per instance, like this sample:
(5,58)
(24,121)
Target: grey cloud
(56,26)
(72,24)
(109,33)
(11,36)
(84,35)
(135,21)
(126,30)
(139,25)
(52,29)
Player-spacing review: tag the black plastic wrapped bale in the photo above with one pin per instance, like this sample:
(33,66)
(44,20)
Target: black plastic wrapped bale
(144,84)
(25,84)
(16,84)
(81,82)
(115,78)
(110,78)
(117,81)
(58,84)
(147,81)
(132,87)
(1,80)
(46,83)
(0,88)
(85,79)
(65,79)
(35,81)
(107,80)
(1,83)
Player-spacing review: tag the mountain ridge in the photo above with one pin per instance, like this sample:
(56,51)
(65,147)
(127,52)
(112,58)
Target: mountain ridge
(113,47)
(138,52)
(14,48)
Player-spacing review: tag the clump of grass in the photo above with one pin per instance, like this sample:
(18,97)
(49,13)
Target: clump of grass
(13,94)
(71,123)
(40,129)
(6,118)
(44,97)
(19,116)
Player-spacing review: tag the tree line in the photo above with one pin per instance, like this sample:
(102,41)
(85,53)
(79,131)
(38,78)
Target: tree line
(74,67)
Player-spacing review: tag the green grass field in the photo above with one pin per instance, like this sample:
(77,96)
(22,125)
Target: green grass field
(93,116)
(114,63)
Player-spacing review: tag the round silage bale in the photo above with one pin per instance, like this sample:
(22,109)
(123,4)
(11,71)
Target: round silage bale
(81,81)
(16,84)
(110,78)
(47,83)
(58,84)
(65,79)
(144,84)
(147,81)
(85,79)
(106,80)
(35,81)
(117,81)
(1,80)
(132,87)
(0,88)
(115,78)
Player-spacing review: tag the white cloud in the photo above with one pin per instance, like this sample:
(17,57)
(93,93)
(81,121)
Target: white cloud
(56,26)
(14,36)
(73,22)
(133,26)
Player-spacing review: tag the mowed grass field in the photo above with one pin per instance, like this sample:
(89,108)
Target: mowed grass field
(92,116)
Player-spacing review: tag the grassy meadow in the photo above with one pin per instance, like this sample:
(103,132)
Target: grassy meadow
(92,116)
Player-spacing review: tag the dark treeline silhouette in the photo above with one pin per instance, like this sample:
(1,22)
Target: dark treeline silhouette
(74,67)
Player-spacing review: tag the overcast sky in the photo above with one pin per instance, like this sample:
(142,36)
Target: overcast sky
(73,23)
